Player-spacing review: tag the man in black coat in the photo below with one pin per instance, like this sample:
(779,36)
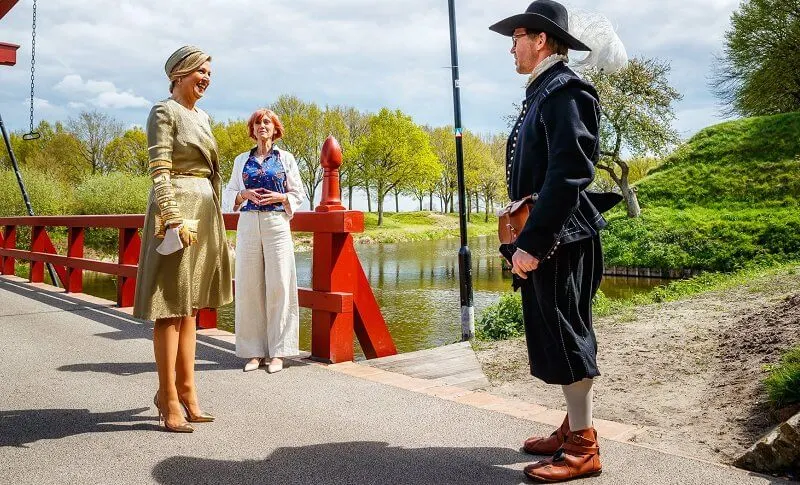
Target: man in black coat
(557,259)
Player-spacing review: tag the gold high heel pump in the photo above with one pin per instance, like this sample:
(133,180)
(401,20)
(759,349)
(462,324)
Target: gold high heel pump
(199,418)
(181,428)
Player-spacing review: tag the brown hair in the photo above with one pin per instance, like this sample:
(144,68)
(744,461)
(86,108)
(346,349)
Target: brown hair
(553,43)
(259,115)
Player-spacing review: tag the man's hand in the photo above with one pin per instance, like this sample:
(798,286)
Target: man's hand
(523,262)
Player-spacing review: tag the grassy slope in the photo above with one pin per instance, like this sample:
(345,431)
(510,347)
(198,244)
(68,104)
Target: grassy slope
(726,198)
(752,161)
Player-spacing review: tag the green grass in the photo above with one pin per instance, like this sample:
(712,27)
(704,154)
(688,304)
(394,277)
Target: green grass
(783,382)
(420,226)
(728,197)
(702,238)
(753,161)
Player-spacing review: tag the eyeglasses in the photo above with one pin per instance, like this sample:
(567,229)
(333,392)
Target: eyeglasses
(516,37)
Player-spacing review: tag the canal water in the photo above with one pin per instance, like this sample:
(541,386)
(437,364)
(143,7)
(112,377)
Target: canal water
(416,284)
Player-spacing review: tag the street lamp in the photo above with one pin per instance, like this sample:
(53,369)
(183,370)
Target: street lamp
(464,257)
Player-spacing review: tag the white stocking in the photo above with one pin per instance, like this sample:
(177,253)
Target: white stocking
(579,397)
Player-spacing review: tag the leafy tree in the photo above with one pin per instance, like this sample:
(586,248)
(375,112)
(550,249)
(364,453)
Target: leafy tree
(57,153)
(25,149)
(306,128)
(232,139)
(637,114)
(444,147)
(397,150)
(128,153)
(491,172)
(759,72)
(351,173)
(424,183)
(95,131)
(476,156)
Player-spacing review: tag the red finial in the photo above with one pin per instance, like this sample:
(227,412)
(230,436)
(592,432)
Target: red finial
(331,160)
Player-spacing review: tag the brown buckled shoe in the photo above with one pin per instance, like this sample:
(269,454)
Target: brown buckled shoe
(540,445)
(579,457)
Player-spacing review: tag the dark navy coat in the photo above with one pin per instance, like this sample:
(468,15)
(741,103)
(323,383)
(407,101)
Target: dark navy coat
(552,151)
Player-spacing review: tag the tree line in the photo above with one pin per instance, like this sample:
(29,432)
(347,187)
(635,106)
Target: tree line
(386,154)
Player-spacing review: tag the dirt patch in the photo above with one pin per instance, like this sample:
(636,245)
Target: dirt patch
(689,372)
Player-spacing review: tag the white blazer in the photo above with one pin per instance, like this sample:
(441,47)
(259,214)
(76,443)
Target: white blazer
(294,184)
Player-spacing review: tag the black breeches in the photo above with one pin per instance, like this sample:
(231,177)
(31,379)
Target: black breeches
(557,308)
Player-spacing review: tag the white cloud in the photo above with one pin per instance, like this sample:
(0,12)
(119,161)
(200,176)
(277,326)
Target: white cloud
(120,100)
(38,103)
(355,52)
(102,94)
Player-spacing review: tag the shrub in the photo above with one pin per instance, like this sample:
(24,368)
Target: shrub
(115,193)
(702,238)
(783,382)
(503,320)
(48,195)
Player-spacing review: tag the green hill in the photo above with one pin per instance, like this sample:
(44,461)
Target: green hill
(725,199)
(750,162)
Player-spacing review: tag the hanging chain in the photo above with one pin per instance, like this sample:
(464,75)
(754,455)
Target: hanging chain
(32,135)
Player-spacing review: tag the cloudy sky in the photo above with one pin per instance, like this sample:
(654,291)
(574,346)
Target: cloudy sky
(96,54)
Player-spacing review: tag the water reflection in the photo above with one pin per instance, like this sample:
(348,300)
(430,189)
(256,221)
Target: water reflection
(416,285)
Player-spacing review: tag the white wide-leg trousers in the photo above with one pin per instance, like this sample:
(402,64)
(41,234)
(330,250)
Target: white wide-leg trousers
(267,314)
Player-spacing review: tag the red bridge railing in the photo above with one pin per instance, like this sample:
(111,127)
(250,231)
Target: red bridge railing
(340,297)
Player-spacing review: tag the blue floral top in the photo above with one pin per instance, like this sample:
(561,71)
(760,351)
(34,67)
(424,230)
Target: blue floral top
(268,174)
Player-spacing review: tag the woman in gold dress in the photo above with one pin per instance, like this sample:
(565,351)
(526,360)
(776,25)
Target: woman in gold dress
(184,263)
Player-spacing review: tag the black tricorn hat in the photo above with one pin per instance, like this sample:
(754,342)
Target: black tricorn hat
(542,16)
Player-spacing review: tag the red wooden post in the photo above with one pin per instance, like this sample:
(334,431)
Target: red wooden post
(38,236)
(336,269)
(207,318)
(75,238)
(331,158)
(332,271)
(332,268)
(129,245)
(9,242)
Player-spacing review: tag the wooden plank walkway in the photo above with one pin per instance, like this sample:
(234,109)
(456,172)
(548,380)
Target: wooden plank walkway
(454,364)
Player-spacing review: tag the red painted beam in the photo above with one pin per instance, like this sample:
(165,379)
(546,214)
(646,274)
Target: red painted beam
(334,302)
(118,221)
(5,6)
(127,270)
(8,54)
(332,222)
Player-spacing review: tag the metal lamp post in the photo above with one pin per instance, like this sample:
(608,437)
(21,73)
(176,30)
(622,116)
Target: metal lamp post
(464,257)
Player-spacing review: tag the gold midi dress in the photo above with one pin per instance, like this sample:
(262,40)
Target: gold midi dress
(199,276)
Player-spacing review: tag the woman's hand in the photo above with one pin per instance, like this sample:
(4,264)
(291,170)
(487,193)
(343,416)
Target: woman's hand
(252,195)
(263,196)
(270,197)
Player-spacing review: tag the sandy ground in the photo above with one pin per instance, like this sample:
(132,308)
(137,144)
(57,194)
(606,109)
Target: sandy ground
(689,372)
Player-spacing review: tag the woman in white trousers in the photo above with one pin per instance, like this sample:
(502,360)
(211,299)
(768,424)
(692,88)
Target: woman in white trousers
(265,187)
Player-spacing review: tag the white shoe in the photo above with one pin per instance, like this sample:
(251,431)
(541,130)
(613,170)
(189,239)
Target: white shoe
(253,364)
(274,367)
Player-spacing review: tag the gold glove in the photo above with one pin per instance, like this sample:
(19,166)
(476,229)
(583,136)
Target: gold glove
(188,232)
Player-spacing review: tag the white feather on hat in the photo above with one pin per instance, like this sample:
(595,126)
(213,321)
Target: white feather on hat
(595,30)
